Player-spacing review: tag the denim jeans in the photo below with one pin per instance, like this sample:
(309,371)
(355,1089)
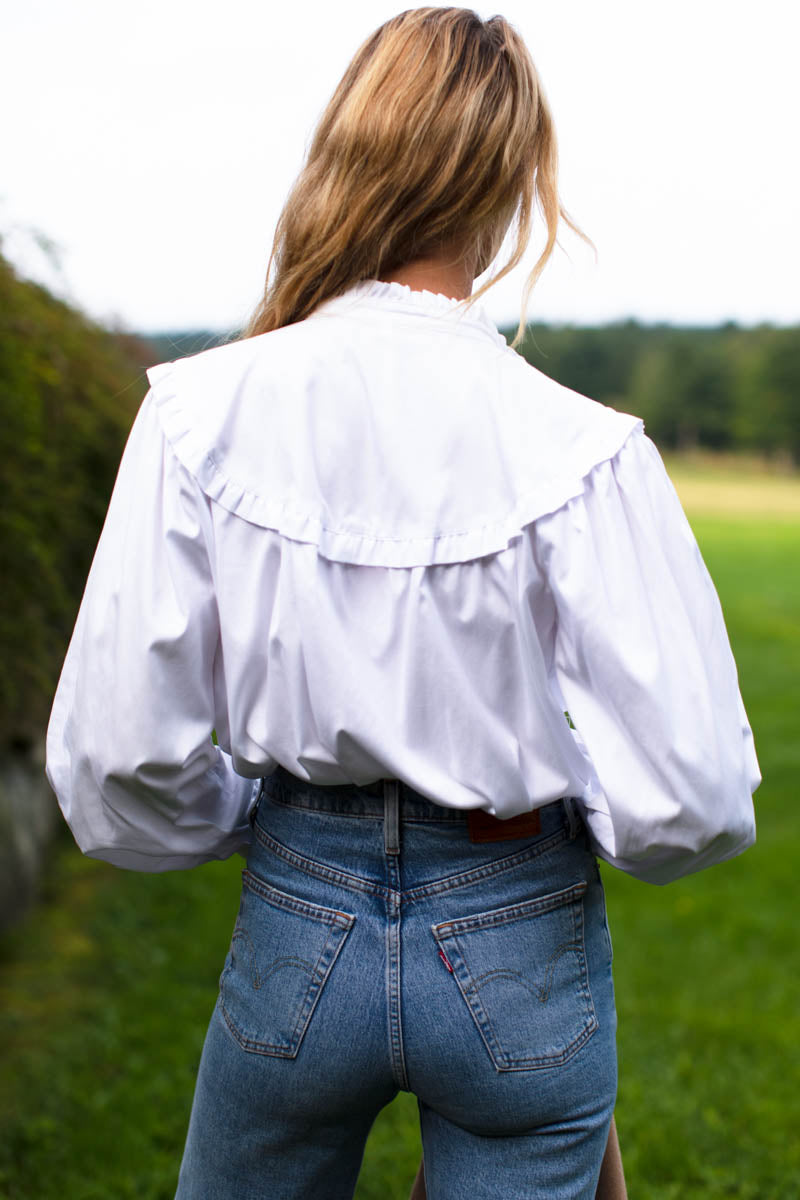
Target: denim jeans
(381,945)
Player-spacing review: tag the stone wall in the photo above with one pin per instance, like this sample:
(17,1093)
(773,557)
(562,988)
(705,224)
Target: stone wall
(29,818)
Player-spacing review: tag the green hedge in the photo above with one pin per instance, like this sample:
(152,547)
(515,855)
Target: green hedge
(68,393)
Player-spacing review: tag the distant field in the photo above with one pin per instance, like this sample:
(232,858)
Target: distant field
(740,488)
(106,990)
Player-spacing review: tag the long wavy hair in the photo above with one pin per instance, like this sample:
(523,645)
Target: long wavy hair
(438,139)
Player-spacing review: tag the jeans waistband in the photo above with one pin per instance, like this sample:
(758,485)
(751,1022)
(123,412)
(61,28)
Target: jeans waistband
(370,800)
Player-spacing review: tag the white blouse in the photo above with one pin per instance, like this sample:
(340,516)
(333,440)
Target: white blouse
(377,543)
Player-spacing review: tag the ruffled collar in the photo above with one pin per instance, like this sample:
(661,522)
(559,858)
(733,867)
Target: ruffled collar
(375,294)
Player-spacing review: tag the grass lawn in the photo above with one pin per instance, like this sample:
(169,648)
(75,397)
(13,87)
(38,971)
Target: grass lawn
(105,991)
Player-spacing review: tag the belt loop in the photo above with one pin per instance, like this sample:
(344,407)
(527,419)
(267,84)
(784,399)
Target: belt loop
(391,816)
(251,816)
(573,816)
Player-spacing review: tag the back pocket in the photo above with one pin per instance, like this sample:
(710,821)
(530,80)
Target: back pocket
(522,973)
(281,954)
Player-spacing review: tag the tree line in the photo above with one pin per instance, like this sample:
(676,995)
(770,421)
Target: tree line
(719,388)
(69,391)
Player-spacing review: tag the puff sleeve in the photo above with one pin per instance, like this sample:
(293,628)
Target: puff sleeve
(644,665)
(129,748)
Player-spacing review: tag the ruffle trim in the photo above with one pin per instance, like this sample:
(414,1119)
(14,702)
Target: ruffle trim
(399,297)
(360,546)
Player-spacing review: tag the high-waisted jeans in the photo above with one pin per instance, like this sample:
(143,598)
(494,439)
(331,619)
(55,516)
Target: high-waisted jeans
(379,948)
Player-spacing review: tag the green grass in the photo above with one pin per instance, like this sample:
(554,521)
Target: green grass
(106,989)
(707,969)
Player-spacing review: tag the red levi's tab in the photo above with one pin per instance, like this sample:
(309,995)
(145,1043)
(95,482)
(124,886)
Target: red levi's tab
(483,827)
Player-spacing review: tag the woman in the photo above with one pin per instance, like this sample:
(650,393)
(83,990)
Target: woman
(383,558)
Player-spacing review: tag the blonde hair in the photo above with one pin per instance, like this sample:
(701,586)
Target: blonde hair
(439,135)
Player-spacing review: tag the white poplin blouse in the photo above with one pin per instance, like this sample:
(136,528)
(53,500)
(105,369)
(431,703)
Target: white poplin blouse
(377,543)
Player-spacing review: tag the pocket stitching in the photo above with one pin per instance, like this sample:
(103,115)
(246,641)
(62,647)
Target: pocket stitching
(303,908)
(469,989)
(337,922)
(513,912)
(541,994)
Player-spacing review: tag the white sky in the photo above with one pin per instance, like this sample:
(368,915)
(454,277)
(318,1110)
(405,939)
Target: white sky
(155,141)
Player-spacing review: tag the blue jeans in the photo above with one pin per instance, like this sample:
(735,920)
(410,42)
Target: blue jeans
(378,947)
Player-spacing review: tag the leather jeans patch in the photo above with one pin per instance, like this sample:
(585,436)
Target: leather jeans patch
(483,827)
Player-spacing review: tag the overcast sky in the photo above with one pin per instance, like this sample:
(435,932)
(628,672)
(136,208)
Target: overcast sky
(154,143)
